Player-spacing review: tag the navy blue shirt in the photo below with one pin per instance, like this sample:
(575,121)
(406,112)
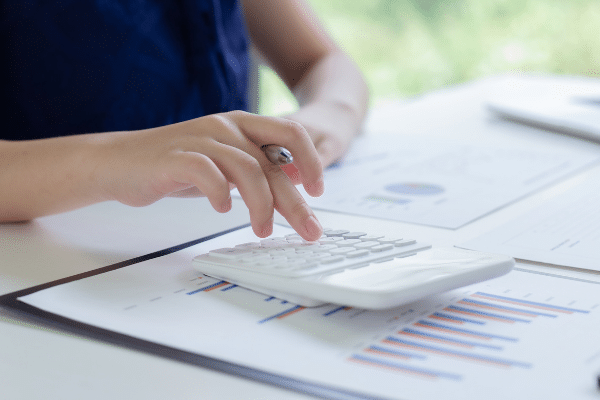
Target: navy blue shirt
(82,66)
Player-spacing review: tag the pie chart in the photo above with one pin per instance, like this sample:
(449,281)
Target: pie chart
(415,189)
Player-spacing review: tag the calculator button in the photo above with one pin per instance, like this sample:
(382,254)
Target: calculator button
(347,242)
(357,253)
(306,245)
(256,256)
(262,250)
(273,239)
(324,247)
(404,242)
(341,250)
(368,238)
(330,239)
(391,239)
(317,256)
(331,259)
(366,245)
(276,244)
(299,254)
(250,245)
(353,235)
(336,232)
(382,247)
(230,253)
(280,251)
(302,252)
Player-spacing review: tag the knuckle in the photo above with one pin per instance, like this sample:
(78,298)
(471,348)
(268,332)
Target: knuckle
(219,122)
(251,169)
(296,130)
(236,114)
(198,163)
(300,208)
(250,165)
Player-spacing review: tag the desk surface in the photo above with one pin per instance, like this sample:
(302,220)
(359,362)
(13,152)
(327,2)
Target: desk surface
(36,361)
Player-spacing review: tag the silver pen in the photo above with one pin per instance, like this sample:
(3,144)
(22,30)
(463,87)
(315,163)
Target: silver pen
(277,155)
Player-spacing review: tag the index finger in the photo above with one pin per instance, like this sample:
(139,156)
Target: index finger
(291,135)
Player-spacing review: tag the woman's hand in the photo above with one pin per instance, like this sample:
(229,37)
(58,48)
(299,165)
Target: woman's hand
(212,154)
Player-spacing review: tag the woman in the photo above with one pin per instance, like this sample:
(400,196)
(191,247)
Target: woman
(135,101)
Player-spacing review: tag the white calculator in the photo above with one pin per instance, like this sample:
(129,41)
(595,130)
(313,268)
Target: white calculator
(359,269)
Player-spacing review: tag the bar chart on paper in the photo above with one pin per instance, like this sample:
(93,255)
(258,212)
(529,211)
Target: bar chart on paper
(490,329)
(456,345)
(467,336)
(481,328)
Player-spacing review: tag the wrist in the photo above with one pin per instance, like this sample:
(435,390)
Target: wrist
(96,150)
(330,114)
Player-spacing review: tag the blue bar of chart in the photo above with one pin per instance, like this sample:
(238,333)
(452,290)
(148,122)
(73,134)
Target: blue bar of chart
(526,303)
(445,339)
(485,315)
(405,368)
(512,310)
(395,341)
(462,332)
(210,287)
(454,319)
(335,310)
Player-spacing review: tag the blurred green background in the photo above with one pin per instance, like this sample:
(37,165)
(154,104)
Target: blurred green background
(406,47)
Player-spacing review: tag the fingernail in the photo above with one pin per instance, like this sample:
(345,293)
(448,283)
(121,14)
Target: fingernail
(320,186)
(227,205)
(317,188)
(313,228)
(267,229)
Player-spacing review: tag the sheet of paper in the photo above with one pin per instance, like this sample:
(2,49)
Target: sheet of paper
(567,105)
(443,183)
(564,231)
(522,336)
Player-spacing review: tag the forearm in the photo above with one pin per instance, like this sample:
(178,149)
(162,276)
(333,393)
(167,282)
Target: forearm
(335,80)
(295,44)
(41,177)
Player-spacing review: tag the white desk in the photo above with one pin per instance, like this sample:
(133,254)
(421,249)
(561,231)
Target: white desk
(36,362)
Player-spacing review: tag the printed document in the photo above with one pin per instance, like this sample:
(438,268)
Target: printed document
(521,336)
(442,183)
(564,231)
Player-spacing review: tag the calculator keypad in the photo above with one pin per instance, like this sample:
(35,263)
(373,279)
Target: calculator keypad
(291,256)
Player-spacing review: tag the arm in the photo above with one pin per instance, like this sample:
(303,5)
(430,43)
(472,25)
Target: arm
(329,87)
(201,156)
